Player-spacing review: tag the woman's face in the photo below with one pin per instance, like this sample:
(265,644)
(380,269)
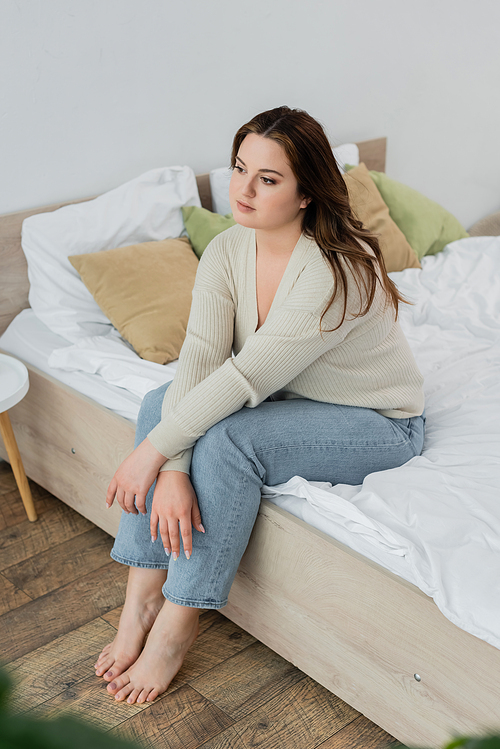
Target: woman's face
(263,191)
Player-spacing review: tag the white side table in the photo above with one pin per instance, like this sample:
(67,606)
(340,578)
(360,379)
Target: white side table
(14,384)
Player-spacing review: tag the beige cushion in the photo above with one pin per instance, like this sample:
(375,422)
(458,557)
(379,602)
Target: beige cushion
(369,207)
(486,227)
(145,291)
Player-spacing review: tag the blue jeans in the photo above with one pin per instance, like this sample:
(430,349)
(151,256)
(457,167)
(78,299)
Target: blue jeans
(254,446)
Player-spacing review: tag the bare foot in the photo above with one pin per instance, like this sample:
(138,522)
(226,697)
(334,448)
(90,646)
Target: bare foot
(173,633)
(143,603)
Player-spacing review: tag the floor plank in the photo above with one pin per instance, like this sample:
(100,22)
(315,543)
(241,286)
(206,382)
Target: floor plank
(12,509)
(88,700)
(113,616)
(38,622)
(61,564)
(53,668)
(182,719)
(302,716)
(361,733)
(24,540)
(219,639)
(10,596)
(247,681)
(7,480)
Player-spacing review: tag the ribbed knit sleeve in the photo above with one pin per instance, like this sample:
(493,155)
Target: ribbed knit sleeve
(208,343)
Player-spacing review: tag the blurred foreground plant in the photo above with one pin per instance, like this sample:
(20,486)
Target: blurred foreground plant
(24,732)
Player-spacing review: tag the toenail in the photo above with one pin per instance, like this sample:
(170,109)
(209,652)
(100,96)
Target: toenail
(109,673)
(112,685)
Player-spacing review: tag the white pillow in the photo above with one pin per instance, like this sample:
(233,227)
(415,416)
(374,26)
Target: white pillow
(348,153)
(145,209)
(219,186)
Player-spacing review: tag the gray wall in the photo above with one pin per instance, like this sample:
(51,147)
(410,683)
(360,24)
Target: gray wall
(94,92)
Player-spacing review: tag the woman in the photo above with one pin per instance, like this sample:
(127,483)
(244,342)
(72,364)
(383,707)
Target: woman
(322,385)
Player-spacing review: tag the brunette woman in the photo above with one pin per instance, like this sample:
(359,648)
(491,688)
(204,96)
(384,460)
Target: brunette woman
(322,384)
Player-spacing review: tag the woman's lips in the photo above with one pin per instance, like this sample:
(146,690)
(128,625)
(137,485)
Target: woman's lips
(243,207)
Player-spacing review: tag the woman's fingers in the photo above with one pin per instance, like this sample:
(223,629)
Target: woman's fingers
(153,524)
(165,535)
(110,494)
(129,502)
(187,536)
(140,503)
(173,530)
(196,518)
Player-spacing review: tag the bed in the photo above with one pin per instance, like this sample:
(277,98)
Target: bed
(364,631)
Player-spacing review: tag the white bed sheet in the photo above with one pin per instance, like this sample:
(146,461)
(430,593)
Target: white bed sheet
(104,368)
(434,521)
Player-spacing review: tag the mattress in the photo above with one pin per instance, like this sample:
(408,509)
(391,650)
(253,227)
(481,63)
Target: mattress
(434,521)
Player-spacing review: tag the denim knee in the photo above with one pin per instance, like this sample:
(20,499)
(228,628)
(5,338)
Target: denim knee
(150,412)
(227,446)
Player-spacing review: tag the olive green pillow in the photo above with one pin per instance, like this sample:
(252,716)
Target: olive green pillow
(145,291)
(370,209)
(427,226)
(202,226)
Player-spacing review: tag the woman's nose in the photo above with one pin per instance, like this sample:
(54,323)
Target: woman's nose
(249,188)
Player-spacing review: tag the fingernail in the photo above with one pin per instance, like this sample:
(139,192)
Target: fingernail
(188,554)
(167,552)
(175,556)
(107,506)
(152,540)
(202,529)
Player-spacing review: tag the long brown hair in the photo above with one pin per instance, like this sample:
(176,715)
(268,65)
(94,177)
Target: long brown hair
(328,219)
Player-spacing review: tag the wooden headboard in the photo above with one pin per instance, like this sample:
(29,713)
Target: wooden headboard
(14,284)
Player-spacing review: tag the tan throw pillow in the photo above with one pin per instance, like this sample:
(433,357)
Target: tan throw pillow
(369,207)
(145,291)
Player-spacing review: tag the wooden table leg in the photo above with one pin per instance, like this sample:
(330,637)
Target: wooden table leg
(17,465)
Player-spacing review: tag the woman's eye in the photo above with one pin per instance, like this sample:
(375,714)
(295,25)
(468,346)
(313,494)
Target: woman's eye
(268,181)
(238,168)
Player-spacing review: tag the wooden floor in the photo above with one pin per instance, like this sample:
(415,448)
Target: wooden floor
(60,599)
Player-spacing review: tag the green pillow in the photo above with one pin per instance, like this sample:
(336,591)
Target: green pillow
(202,226)
(426,225)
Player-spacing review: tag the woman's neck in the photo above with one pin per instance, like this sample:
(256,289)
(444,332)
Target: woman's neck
(278,241)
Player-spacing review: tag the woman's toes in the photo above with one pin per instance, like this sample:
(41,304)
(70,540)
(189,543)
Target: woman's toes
(103,668)
(118,683)
(143,696)
(124,692)
(133,696)
(152,695)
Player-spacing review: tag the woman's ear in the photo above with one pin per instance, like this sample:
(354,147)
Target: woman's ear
(305,202)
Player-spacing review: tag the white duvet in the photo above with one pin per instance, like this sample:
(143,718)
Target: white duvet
(436,520)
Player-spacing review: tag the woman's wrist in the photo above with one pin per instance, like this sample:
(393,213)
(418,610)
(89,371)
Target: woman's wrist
(152,454)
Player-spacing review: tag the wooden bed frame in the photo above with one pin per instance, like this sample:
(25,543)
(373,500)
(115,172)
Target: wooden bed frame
(360,631)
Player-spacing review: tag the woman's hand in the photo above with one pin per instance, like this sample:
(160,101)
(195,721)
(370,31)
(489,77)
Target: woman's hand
(134,477)
(175,504)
